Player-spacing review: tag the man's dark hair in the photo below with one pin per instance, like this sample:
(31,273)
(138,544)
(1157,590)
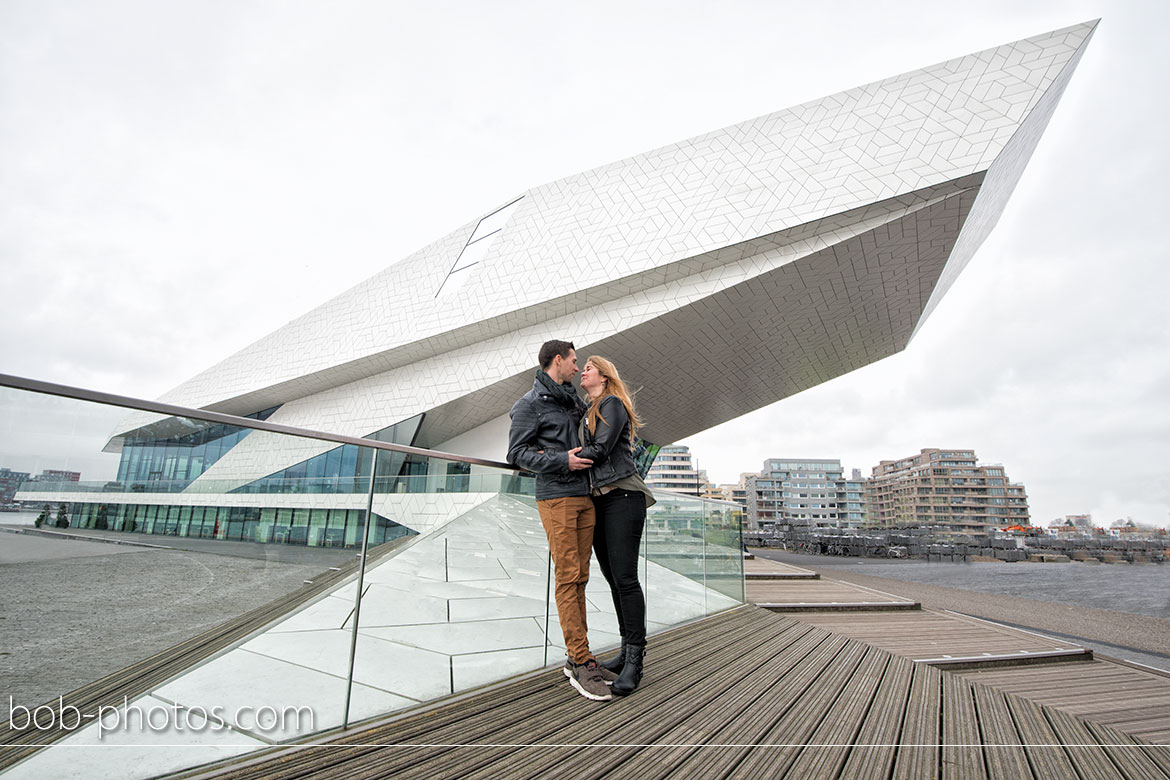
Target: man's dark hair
(550,349)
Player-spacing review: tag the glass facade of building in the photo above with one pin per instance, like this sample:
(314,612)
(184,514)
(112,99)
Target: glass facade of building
(167,456)
(159,453)
(345,469)
(287,525)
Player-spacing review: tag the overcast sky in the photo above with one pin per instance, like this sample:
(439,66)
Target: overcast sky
(182,178)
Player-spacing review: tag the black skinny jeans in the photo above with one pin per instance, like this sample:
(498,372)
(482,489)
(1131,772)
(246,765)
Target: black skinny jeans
(621,514)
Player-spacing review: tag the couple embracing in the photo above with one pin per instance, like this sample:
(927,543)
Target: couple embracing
(590,498)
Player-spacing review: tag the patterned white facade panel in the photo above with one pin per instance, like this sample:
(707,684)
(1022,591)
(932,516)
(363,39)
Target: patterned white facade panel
(731,269)
(1003,174)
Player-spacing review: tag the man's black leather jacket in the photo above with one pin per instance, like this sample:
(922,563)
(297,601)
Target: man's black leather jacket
(543,431)
(609,446)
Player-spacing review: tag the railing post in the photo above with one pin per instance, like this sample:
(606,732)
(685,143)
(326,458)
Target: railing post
(646,561)
(357,606)
(706,519)
(547,604)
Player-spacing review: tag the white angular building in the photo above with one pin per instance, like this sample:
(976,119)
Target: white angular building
(722,273)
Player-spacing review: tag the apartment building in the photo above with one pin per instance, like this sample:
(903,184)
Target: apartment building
(945,488)
(736,493)
(10,482)
(796,494)
(674,470)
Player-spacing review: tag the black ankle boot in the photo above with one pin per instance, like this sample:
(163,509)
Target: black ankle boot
(616,664)
(631,673)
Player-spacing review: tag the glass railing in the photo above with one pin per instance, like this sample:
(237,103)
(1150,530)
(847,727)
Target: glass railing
(220,607)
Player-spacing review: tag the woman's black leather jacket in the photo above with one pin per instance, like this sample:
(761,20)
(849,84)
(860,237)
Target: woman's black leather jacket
(609,446)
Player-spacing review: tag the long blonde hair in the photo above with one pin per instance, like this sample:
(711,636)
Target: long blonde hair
(616,387)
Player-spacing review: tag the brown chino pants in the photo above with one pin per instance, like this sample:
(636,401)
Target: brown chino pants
(568,523)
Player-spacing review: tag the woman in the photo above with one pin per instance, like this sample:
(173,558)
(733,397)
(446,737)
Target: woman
(620,498)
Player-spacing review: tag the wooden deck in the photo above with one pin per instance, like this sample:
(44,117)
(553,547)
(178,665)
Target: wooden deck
(764,569)
(801,595)
(1130,699)
(1042,669)
(945,638)
(748,693)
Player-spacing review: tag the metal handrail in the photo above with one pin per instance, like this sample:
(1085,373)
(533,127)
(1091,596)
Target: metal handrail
(171,410)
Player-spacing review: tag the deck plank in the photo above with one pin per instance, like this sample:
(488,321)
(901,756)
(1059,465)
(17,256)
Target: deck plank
(821,594)
(830,744)
(1132,700)
(876,745)
(1037,734)
(1003,750)
(918,756)
(1134,759)
(1081,746)
(962,756)
(792,732)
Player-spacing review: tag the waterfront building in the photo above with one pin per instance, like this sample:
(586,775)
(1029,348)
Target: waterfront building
(723,273)
(57,475)
(852,507)
(800,494)
(946,488)
(10,482)
(673,470)
(736,493)
(708,489)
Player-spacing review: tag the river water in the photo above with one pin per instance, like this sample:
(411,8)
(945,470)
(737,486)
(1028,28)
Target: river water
(1140,589)
(22,518)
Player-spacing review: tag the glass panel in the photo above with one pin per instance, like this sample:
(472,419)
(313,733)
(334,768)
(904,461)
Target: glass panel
(264,531)
(675,589)
(723,545)
(456,586)
(335,530)
(333,466)
(284,517)
(318,519)
(463,603)
(298,533)
(154,597)
(349,469)
(196,527)
(355,527)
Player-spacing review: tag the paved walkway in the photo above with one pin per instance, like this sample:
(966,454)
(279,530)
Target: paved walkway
(275,553)
(29,548)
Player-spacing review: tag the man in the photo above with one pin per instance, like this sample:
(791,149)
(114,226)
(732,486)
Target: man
(543,440)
